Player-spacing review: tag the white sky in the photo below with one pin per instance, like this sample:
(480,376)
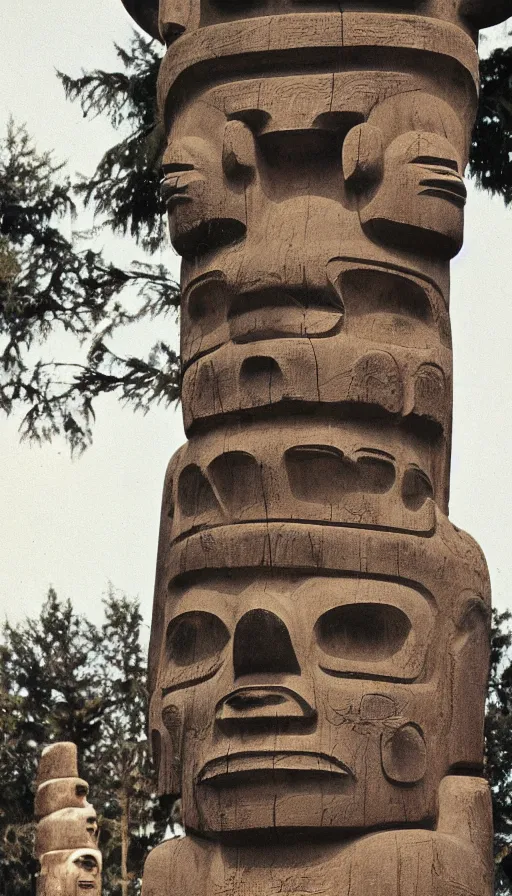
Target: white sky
(79,524)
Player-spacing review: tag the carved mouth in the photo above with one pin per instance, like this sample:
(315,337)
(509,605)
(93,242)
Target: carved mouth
(86,884)
(445,186)
(175,182)
(276,314)
(255,766)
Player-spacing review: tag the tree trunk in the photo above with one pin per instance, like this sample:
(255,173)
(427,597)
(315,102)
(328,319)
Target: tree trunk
(125,840)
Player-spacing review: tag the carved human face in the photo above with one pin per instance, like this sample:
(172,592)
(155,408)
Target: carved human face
(305,702)
(70,873)
(67,828)
(203,182)
(83,873)
(406,163)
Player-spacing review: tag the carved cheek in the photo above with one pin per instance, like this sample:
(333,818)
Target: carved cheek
(171,755)
(404,754)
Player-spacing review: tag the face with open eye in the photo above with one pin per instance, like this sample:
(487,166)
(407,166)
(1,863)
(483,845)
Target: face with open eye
(205,168)
(83,871)
(410,186)
(304,702)
(66,872)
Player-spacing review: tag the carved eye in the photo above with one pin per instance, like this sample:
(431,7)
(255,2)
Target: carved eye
(368,633)
(88,863)
(194,645)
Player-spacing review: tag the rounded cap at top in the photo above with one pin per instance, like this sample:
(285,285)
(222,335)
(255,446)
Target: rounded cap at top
(480,13)
(484,13)
(58,761)
(145,14)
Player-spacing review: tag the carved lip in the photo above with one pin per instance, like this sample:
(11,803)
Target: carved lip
(86,884)
(173,193)
(277,313)
(445,186)
(245,765)
(175,181)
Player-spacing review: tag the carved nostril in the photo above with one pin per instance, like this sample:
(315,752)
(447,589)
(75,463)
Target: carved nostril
(254,699)
(262,644)
(91,826)
(269,704)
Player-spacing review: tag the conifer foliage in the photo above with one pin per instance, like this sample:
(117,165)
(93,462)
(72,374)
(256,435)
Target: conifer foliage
(52,282)
(491,149)
(63,678)
(125,188)
(498,747)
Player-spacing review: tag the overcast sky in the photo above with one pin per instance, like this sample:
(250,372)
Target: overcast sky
(78,524)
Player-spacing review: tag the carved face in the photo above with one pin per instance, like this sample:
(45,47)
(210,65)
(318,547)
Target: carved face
(407,164)
(67,828)
(71,873)
(305,702)
(83,873)
(203,183)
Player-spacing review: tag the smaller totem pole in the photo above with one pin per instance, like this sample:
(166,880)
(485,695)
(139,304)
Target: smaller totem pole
(67,829)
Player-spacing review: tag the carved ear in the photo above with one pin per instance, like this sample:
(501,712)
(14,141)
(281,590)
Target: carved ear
(470,662)
(363,156)
(465,810)
(238,151)
(145,14)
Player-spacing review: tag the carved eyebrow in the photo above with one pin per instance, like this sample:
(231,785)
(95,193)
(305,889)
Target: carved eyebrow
(435,160)
(176,167)
(87,860)
(377,452)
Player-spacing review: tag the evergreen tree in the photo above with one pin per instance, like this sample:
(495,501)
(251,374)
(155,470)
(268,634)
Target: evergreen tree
(65,679)
(491,149)
(50,283)
(125,188)
(498,749)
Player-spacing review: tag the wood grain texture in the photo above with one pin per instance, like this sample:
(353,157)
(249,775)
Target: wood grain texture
(320,633)
(66,842)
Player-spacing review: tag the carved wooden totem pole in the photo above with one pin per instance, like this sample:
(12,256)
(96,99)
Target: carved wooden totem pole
(67,829)
(320,632)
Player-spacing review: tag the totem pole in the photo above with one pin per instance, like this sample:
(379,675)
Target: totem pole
(319,644)
(67,828)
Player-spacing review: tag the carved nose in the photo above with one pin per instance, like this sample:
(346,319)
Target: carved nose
(262,645)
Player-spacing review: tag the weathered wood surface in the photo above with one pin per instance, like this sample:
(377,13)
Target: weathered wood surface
(319,645)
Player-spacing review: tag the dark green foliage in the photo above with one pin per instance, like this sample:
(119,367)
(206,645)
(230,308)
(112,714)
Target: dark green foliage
(498,753)
(490,161)
(66,679)
(125,189)
(50,284)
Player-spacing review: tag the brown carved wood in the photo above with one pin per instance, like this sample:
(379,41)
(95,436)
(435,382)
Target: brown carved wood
(66,842)
(319,645)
